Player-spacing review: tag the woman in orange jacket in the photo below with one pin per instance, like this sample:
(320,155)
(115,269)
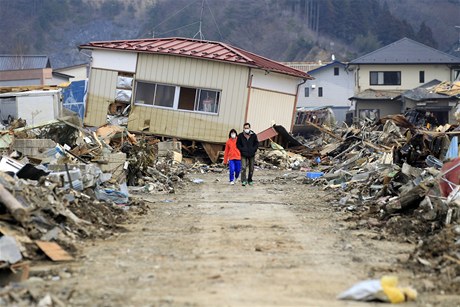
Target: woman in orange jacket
(232,156)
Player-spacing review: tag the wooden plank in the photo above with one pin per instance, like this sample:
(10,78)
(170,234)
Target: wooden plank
(212,150)
(54,251)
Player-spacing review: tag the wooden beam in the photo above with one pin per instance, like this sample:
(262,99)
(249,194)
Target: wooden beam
(212,150)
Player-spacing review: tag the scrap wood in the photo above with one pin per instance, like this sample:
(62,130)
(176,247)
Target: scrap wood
(18,211)
(324,130)
(379,147)
(451,259)
(54,251)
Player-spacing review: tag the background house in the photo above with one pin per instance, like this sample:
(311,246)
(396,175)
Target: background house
(77,72)
(393,69)
(332,86)
(18,70)
(190,89)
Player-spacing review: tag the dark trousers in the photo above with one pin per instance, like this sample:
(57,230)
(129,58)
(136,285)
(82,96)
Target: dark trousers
(247,164)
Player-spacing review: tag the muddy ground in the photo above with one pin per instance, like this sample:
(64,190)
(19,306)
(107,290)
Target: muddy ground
(277,243)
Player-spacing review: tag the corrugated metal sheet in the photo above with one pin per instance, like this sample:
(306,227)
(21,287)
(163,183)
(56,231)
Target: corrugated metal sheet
(208,50)
(268,108)
(101,92)
(14,62)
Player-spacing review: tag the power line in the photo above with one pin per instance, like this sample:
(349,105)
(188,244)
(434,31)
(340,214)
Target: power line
(174,14)
(214,19)
(190,24)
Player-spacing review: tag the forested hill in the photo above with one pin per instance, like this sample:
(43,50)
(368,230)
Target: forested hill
(285,30)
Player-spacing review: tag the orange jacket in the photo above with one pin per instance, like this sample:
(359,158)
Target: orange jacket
(231,151)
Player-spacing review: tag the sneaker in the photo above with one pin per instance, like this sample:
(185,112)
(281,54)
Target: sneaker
(244,183)
(251,183)
(232,182)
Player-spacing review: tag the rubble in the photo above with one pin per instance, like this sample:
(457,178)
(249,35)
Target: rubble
(387,173)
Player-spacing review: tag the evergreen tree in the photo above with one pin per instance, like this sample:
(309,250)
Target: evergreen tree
(425,36)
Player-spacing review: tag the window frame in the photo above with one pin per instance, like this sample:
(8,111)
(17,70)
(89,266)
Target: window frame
(421,76)
(320,91)
(307,91)
(177,93)
(336,71)
(371,73)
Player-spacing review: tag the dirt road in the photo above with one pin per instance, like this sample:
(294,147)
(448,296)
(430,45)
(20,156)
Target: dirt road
(277,243)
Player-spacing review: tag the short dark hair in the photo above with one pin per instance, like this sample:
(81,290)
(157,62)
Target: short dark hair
(230,133)
(247,124)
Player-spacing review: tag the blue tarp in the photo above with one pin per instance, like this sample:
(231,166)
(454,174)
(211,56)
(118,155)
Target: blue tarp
(74,97)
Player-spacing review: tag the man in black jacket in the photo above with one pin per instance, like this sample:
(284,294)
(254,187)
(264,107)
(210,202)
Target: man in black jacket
(247,144)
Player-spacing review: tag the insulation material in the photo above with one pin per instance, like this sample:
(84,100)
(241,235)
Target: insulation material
(123,95)
(125,82)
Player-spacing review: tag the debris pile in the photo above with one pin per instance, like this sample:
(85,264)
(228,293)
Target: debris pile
(391,176)
(278,157)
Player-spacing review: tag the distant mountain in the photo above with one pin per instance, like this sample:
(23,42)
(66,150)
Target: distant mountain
(285,30)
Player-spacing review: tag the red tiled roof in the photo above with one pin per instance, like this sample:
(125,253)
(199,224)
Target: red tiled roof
(194,48)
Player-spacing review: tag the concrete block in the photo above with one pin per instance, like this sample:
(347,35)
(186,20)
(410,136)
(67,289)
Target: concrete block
(114,165)
(33,147)
(165,147)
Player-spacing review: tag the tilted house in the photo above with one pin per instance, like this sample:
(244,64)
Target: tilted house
(382,75)
(190,89)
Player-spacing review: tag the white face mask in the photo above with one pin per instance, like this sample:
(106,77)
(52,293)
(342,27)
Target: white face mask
(233,135)
(247,131)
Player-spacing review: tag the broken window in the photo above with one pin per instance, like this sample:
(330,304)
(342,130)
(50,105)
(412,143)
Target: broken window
(385,78)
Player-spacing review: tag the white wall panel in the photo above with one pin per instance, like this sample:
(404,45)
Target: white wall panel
(114,60)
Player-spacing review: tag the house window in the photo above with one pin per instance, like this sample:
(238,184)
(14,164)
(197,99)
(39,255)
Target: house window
(307,91)
(320,92)
(164,95)
(207,101)
(456,75)
(336,71)
(385,77)
(421,76)
(177,98)
(145,93)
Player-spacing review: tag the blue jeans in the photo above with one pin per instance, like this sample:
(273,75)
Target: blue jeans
(235,169)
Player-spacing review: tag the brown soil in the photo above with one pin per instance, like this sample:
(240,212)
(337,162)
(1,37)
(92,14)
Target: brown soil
(277,243)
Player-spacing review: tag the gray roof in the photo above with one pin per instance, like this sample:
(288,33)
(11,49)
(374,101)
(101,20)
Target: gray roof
(21,62)
(406,51)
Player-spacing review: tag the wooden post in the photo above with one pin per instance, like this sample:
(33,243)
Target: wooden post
(16,209)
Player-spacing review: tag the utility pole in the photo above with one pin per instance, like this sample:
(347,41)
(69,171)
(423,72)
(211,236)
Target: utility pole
(458,43)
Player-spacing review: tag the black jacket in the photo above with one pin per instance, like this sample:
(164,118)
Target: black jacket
(247,147)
